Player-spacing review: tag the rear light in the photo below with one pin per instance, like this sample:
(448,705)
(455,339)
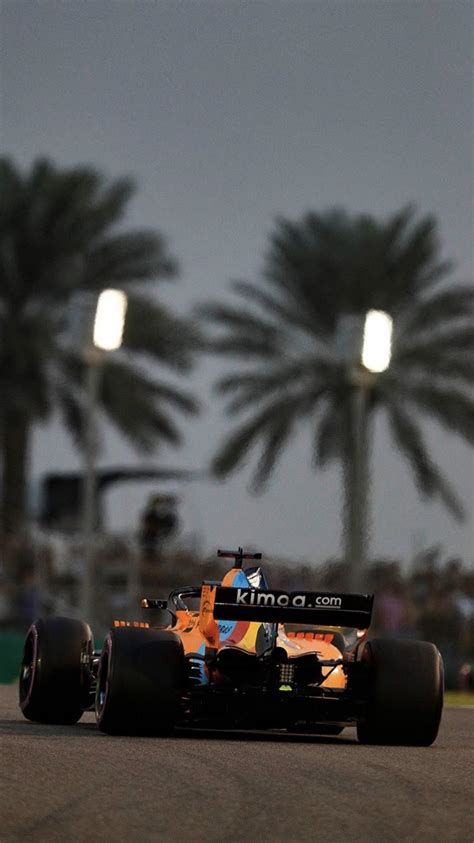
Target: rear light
(134,624)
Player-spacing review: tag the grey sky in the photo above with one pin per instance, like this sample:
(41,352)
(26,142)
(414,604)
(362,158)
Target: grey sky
(228,113)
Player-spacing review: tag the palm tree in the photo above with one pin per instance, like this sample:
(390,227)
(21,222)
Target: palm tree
(61,233)
(287,331)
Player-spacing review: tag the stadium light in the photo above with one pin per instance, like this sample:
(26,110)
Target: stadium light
(110,320)
(377,341)
(106,336)
(364,346)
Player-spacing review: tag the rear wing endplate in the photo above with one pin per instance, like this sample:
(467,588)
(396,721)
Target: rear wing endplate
(311,607)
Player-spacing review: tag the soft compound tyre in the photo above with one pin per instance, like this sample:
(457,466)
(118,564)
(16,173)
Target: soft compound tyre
(405,693)
(140,682)
(54,675)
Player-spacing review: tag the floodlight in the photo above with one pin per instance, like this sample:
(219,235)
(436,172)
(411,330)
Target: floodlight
(110,320)
(377,343)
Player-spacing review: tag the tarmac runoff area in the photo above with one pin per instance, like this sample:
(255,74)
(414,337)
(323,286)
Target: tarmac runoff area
(61,783)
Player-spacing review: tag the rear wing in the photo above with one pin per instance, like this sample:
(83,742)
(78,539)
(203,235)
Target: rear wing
(311,607)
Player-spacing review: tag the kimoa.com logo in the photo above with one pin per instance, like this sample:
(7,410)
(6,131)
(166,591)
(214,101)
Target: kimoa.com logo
(300,601)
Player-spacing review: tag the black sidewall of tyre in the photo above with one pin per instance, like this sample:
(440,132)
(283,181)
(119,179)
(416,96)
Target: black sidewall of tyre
(60,682)
(142,677)
(405,693)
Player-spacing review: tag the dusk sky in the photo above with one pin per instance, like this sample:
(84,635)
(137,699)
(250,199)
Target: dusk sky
(227,114)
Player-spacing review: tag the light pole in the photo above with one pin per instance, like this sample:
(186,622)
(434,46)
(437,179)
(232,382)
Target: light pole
(107,336)
(368,356)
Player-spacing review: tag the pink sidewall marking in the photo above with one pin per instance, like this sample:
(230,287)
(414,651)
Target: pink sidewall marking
(34,632)
(108,646)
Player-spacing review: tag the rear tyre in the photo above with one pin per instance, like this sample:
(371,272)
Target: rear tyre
(405,693)
(140,683)
(54,676)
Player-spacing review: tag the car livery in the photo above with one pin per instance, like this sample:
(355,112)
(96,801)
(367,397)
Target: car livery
(246,656)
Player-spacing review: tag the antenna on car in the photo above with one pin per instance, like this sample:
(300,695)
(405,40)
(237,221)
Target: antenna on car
(238,555)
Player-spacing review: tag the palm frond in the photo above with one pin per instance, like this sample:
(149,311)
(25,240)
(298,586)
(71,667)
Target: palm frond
(259,382)
(246,334)
(239,320)
(273,424)
(230,456)
(130,400)
(454,339)
(451,407)
(57,216)
(183,401)
(277,435)
(137,404)
(78,203)
(395,229)
(300,378)
(245,347)
(285,313)
(416,257)
(237,444)
(58,203)
(428,476)
(108,208)
(437,310)
(150,329)
(70,366)
(435,364)
(127,258)
(307,273)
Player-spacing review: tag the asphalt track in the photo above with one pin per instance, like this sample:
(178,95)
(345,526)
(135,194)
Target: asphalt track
(75,784)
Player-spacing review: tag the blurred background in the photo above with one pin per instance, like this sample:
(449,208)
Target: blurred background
(255,178)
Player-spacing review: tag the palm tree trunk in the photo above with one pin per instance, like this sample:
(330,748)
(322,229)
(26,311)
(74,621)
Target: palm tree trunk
(15,439)
(356,488)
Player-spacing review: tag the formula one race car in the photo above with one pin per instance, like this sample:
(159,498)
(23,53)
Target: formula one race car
(246,657)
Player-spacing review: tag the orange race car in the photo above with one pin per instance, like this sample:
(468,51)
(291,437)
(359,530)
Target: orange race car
(244,656)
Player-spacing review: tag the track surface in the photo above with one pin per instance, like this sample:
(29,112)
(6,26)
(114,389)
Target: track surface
(61,783)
